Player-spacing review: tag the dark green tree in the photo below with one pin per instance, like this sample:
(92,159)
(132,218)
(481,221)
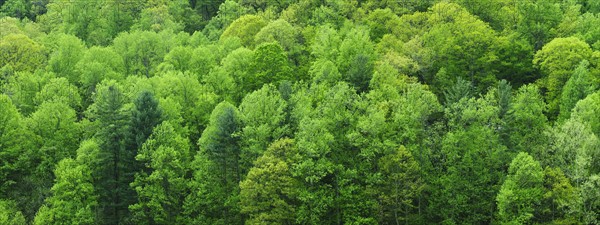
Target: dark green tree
(113,188)
(145,115)
(214,194)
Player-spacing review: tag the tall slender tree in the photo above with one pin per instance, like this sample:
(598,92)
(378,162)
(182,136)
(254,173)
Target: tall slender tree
(113,185)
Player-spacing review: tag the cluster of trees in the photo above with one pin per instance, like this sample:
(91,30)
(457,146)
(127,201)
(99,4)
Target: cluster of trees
(299,112)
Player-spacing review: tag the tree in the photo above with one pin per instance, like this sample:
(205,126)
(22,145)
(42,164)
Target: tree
(9,213)
(59,90)
(245,28)
(229,11)
(459,41)
(526,122)
(11,145)
(471,159)
(536,20)
(356,59)
(557,60)
(237,65)
(161,185)
(69,50)
(521,191)
(270,65)
(21,53)
(73,199)
(561,200)
(55,124)
(113,185)
(286,35)
(22,87)
(262,115)
(401,185)
(142,51)
(586,112)
(579,86)
(215,192)
(144,117)
(268,194)
(573,148)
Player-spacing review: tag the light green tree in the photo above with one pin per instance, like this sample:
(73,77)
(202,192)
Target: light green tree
(557,60)
(73,199)
(161,184)
(268,193)
(521,191)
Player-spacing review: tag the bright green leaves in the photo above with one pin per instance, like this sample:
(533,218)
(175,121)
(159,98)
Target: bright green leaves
(245,28)
(161,187)
(59,90)
(142,51)
(263,117)
(459,42)
(69,50)
(401,185)
(21,53)
(521,191)
(579,86)
(355,59)
(9,214)
(268,194)
(73,199)
(270,65)
(557,60)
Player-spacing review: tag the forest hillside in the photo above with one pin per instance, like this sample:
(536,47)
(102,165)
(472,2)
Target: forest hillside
(299,112)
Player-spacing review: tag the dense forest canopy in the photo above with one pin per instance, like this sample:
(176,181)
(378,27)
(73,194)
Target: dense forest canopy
(299,112)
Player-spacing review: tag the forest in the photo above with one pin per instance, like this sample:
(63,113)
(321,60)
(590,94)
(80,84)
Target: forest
(299,112)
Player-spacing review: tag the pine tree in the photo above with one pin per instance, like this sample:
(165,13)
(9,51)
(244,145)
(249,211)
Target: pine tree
(215,190)
(115,176)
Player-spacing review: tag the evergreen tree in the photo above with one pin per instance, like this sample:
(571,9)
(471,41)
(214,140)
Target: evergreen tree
(116,174)
(214,195)
(145,115)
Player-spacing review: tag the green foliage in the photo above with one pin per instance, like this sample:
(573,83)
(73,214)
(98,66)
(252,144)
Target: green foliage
(521,191)
(73,199)
(215,191)
(557,60)
(113,183)
(144,117)
(9,213)
(268,194)
(579,86)
(62,61)
(586,111)
(59,90)
(245,28)
(270,65)
(161,186)
(526,122)
(142,51)
(263,118)
(21,53)
(299,112)
(402,184)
